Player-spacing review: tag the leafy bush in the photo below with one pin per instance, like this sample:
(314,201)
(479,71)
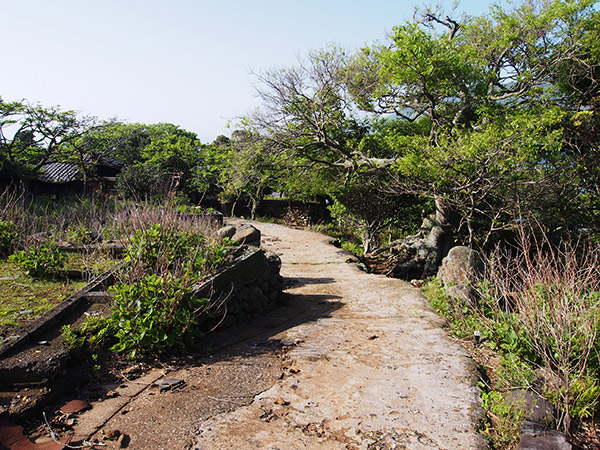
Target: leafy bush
(9,236)
(151,316)
(153,310)
(155,315)
(40,261)
(95,332)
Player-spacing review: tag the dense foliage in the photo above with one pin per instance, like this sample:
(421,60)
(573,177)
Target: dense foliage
(40,260)
(492,116)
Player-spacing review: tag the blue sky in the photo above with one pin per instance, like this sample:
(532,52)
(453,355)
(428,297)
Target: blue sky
(181,61)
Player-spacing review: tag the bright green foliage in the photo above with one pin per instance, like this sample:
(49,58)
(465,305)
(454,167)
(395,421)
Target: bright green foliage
(489,87)
(159,250)
(484,111)
(153,309)
(209,178)
(154,315)
(9,236)
(40,261)
(160,158)
(506,420)
(95,332)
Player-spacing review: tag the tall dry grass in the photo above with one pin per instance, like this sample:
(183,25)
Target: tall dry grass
(67,219)
(552,296)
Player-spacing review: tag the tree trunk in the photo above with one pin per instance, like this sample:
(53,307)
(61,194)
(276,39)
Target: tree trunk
(419,256)
(369,237)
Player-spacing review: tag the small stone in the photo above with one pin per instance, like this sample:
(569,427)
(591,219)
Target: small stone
(417,283)
(27,312)
(293,369)
(111,394)
(168,383)
(111,435)
(43,343)
(281,402)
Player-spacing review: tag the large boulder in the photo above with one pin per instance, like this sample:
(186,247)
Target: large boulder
(460,269)
(536,408)
(247,234)
(226,232)
(538,437)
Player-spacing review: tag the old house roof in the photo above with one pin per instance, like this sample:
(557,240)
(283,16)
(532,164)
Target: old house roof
(65,172)
(60,172)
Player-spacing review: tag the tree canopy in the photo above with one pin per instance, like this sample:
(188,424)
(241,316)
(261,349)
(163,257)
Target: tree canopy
(491,116)
(32,135)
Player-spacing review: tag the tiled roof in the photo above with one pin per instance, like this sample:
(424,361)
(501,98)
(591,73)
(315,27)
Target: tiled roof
(59,172)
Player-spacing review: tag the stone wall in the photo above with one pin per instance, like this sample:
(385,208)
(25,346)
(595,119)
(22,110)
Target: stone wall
(251,285)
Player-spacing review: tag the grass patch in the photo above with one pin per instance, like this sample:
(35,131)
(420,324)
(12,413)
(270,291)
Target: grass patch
(95,263)
(23,298)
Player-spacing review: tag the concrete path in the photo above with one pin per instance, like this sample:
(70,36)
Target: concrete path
(377,372)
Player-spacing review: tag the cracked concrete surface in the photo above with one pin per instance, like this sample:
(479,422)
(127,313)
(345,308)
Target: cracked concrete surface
(378,372)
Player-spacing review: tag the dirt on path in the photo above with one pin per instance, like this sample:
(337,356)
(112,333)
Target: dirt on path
(355,361)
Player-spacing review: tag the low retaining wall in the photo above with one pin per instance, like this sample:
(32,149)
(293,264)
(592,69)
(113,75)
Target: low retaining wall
(55,317)
(249,286)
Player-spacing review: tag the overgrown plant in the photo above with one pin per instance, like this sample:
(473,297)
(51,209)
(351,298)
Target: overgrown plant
(153,309)
(505,418)
(40,260)
(553,295)
(155,314)
(8,237)
(538,309)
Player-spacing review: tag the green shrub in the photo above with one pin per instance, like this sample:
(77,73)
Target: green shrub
(9,237)
(40,261)
(504,420)
(95,332)
(155,315)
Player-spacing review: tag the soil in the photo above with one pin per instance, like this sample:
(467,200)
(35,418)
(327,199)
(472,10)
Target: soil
(354,361)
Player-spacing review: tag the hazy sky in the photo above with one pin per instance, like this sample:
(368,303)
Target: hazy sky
(181,61)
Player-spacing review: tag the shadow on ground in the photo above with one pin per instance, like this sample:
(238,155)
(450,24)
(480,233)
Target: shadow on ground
(225,370)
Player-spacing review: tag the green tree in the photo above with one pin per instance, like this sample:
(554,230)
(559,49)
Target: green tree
(489,87)
(251,172)
(32,135)
(157,157)
(209,179)
(491,98)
